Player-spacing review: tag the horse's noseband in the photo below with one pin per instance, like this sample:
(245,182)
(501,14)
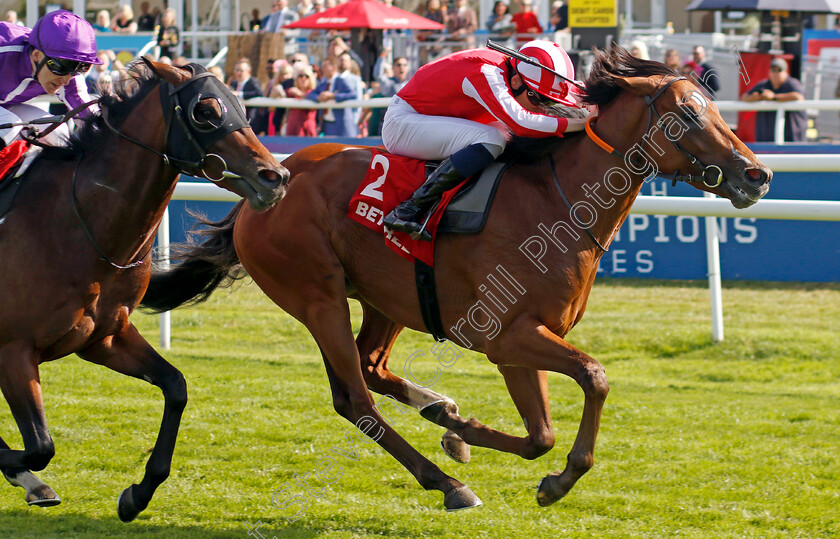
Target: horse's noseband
(708,172)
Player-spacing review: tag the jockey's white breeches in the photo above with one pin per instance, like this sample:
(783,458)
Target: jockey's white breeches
(21,112)
(407,132)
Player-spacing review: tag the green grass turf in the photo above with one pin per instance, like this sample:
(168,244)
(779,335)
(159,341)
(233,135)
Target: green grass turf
(737,439)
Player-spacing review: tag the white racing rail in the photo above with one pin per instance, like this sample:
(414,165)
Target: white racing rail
(709,207)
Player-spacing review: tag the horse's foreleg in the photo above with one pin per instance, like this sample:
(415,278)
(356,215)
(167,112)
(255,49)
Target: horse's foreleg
(21,386)
(329,323)
(37,492)
(375,340)
(129,353)
(528,343)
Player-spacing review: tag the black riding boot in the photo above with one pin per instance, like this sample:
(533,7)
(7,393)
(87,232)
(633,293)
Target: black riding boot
(410,215)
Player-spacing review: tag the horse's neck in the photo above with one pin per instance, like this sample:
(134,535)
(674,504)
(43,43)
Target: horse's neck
(598,186)
(125,188)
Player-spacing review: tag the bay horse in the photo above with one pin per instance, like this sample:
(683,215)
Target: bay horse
(555,212)
(76,248)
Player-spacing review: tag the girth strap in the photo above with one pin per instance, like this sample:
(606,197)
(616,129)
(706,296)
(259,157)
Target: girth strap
(427,294)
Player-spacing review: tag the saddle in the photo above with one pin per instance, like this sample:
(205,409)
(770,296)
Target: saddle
(463,210)
(13,162)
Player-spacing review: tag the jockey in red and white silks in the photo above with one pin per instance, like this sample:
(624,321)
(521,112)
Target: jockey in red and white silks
(464,107)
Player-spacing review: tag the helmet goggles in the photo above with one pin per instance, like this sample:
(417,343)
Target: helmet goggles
(62,67)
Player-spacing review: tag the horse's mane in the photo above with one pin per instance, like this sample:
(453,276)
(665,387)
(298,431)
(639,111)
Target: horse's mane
(601,87)
(132,88)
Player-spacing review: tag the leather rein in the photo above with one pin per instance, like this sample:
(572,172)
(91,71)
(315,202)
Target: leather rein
(674,177)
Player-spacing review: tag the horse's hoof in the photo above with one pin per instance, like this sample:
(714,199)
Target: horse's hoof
(550,490)
(42,496)
(434,411)
(460,498)
(457,449)
(126,509)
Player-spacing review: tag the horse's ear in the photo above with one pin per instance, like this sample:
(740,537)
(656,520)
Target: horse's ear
(150,64)
(637,85)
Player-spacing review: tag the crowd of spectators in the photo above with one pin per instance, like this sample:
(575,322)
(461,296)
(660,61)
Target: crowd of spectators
(337,72)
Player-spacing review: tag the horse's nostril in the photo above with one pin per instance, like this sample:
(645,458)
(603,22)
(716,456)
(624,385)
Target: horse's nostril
(759,176)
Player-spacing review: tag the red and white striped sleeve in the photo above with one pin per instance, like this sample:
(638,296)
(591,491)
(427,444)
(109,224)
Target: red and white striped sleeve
(490,90)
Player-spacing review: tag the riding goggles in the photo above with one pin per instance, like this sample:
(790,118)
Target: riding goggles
(539,99)
(62,67)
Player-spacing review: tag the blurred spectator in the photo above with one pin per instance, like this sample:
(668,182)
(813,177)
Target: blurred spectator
(245,86)
(304,8)
(332,88)
(180,61)
(298,60)
(349,70)
(255,22)
(779,86)
(283,80)
(165,60)
(368,44)
(500,22)
(434,12)
(217,72)
(639,50)
(110,66)
(526,21)
(391,84)
(708,76)
(302,122)
(146,21)
(337,46)
(672,59)
(370,124)
(689,69)
(103,21)
(281,15)
(124,22)
(12,17)
(168,36)
(461,24)
(559,20)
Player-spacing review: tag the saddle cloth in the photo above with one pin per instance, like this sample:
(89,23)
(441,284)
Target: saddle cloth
(11,155)
(390,179)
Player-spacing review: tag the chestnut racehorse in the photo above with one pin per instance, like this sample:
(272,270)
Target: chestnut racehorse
(542,242)
(75,248)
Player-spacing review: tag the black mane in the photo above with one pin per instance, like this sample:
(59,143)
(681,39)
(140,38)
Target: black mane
(601,88)
(135,85)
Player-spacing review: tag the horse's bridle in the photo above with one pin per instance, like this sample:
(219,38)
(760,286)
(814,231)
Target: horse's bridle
(185,131)
(199,135)
(717,173)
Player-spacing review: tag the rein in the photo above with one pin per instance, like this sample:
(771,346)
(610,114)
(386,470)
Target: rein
(569,204)
(88,233)
(201,142)
(716,174)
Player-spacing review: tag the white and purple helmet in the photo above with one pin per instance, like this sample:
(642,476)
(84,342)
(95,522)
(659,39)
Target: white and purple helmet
(542,81)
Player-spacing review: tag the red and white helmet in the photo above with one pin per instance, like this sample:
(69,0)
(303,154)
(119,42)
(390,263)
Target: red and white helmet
(545,83)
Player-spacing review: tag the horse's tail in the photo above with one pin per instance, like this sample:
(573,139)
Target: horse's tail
(201,267)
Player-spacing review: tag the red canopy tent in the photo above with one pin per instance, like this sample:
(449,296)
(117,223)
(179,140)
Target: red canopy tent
(365,14)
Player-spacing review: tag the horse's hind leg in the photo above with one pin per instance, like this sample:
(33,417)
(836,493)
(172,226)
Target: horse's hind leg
(129,353)
(375,340)
(37,492)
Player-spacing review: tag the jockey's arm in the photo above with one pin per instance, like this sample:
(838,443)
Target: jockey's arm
(491,90)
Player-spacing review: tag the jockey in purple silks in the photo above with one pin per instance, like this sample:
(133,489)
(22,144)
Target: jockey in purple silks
(51,58)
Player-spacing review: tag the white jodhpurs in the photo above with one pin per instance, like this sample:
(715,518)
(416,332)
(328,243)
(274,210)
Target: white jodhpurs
(20,112)
(407,132)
